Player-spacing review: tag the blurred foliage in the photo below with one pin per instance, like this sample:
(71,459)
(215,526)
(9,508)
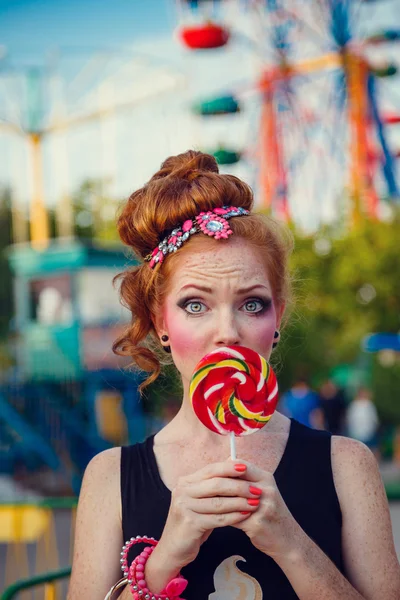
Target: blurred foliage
(345,286)
(167,389)
(385,384)
(94,212)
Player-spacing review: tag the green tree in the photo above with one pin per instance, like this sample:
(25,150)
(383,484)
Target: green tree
(345,287)
(94,212)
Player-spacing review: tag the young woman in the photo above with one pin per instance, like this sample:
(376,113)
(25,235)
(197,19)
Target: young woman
(301,514)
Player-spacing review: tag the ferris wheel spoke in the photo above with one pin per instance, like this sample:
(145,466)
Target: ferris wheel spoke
(356,13)
(318,34)
(296,142)
(334,126)
(391,92)
(322,8)
(315,159)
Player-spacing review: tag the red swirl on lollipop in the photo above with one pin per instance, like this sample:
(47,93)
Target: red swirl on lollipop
(234,390)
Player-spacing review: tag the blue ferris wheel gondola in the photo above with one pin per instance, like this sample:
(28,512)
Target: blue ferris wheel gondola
(375,342)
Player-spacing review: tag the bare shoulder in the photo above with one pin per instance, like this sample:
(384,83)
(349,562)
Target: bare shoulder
(367,540)
(351,457)
(105,464)
(102,479)
(98,528)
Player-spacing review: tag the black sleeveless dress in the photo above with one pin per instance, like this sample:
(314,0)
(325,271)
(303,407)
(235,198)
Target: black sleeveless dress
(228,565)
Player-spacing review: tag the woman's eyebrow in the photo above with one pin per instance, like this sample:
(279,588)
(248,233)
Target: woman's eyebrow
(201,288)
(252,288)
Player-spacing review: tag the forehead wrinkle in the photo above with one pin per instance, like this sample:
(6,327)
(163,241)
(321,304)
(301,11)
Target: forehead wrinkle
(227,277)
(234,266)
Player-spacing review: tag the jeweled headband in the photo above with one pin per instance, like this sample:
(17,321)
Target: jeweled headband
(213,222)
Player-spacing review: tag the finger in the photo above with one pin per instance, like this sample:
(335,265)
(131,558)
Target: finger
(220,469)
(220,505)
(254,474)
(222,486)
(223,520)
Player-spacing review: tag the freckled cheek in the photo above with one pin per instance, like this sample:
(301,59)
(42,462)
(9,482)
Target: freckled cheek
(260,333)
(263,332)
(184,335)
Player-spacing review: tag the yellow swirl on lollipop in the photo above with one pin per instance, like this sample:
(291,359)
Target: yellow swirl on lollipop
(234,390)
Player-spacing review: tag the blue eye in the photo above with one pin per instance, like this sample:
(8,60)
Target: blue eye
(254,306)
(194,307)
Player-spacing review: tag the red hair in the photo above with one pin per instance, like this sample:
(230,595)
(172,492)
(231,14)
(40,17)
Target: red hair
(184,186)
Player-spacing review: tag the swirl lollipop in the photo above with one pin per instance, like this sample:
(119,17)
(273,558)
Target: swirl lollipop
(233,391)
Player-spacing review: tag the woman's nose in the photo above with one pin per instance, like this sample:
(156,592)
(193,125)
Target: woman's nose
(226,333)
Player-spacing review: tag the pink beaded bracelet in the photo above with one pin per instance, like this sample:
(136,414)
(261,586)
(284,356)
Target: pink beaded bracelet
(135,573)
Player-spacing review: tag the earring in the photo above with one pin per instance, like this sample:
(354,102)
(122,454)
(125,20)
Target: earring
(167,349)
(277,337)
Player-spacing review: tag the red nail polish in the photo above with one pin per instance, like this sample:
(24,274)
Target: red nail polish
(253,501)
(255,490)
(245,512)
(240,468)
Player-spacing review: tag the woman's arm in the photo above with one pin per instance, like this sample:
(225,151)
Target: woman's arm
(98,535)
(371,566)
(367,540)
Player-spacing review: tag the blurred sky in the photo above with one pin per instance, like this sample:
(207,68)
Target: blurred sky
(103,53)
(36,25)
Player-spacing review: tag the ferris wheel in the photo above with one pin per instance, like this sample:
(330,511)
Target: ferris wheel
(325,138)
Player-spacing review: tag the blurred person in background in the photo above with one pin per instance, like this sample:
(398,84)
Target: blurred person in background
(302,403)
(333,406)
(362,419)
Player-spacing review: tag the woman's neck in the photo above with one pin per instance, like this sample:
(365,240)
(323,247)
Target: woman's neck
(186,426)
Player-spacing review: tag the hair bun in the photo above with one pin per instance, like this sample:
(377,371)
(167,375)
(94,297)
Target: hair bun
(188,165)
(185,185)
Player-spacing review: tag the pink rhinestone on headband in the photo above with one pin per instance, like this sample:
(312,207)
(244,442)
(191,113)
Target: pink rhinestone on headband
(213,223)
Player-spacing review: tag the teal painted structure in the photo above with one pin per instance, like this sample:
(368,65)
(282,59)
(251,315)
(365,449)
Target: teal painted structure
(67,316)
(51,348)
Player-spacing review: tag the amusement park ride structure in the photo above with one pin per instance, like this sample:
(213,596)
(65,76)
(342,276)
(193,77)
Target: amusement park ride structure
(67,396)
(44,113)
(319,90)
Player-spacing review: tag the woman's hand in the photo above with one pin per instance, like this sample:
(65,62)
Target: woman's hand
(214,496)
(271,528)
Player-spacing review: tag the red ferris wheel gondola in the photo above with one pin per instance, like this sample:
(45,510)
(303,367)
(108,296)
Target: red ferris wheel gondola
(205,36)
(391,119)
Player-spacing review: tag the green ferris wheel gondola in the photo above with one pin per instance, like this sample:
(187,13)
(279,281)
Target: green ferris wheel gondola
(388,70)
(388,35)
(222,105)
(224,156)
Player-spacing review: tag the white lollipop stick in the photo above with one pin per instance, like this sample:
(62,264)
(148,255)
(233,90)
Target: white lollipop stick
(233,446)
